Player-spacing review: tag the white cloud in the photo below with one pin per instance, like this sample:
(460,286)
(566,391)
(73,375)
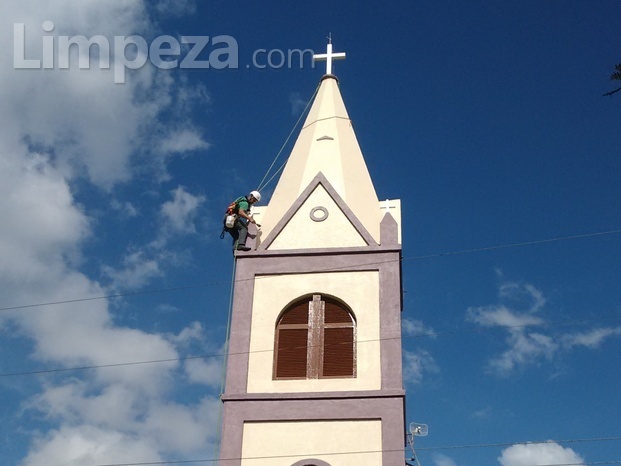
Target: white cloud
(206,371)
(419,362)
(501,316)
(182,428)
(416,364)
(127,208)
(88,122)
(119,426)
(114,405)
(413,328)
(484,413)
(41,224)
(297,103)
(60,131)
(526,347)
(523,294)
(188,97)
(539,453)
(180,213)
(200,370)
(85,444)
(443,460)
(182,140)
(138,268)
(193,332)
(140,265)
(74,113)
(166,308)
(590,339)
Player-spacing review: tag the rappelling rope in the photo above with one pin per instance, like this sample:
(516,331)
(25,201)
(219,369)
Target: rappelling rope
(264,183)
(225,360)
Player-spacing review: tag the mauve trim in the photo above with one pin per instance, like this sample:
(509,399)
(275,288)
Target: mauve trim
(389,411)
(315,395)
(319,179)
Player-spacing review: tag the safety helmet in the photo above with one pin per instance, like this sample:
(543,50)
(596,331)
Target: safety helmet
(256,195)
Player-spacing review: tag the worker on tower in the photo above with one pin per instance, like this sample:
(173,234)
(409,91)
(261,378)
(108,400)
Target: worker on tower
(237,218)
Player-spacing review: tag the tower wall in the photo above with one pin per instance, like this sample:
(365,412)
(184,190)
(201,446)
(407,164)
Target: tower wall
(370,281)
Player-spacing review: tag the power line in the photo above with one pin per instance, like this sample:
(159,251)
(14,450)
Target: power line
(591,463)
(403,259)
(311,455)
(104,366)
(226,460)
(537,442)
(514,245)
(580,464)
(240,353)
(111,296)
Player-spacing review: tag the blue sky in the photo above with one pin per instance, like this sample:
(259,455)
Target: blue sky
(486,118)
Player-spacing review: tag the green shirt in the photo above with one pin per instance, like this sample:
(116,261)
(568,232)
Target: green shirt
(242,203)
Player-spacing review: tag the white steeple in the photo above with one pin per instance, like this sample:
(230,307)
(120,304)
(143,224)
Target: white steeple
(327,144)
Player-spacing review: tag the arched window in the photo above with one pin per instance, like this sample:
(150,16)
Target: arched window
(310,463)
(315,339)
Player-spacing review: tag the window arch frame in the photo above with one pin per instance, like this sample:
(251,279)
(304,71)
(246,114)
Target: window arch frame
(319,305)
(310,462)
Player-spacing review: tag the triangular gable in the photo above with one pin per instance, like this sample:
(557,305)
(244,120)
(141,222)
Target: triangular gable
(319,218)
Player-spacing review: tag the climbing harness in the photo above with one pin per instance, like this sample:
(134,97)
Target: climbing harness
(231,215)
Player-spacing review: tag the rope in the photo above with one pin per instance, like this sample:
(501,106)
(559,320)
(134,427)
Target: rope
(262,185)
(276,173)
(225,359)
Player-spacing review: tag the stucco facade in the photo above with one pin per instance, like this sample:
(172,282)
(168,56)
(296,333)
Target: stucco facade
(360,290)
(348,443)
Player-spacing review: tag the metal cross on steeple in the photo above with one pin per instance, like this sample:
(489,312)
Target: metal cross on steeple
(329,56)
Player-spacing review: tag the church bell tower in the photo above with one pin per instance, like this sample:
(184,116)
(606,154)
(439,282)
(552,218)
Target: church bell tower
(314,363)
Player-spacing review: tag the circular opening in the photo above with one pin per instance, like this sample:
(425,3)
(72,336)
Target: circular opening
(319,214)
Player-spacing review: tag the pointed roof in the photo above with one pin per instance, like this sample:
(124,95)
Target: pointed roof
(327,144)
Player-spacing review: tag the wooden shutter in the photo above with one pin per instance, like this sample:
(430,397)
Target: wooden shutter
(336,314)
(291,353)
(291,346)
(338,354)
(296,314)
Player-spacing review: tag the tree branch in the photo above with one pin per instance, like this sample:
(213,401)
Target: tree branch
(611,92)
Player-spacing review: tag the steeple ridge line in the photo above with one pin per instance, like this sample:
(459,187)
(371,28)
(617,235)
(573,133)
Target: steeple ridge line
(326,118)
